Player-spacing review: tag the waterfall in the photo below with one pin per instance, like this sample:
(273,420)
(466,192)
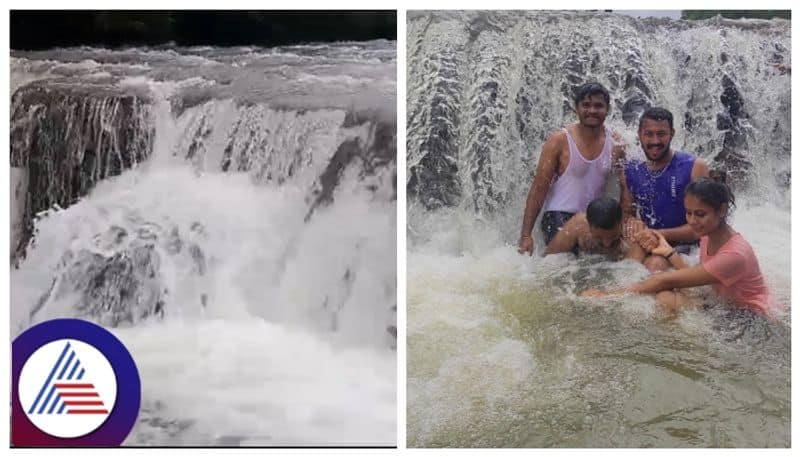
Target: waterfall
(501,349)
(248,192)
(486,89)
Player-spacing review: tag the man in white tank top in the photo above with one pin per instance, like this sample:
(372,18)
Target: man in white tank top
(573,166)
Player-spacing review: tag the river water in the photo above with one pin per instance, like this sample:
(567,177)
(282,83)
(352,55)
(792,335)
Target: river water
(501,351)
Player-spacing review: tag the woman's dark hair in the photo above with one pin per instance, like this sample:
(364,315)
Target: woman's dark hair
(711,192)
(604,213)
(589,89)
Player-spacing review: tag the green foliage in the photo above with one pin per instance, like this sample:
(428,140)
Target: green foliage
(736,14)
(44,29)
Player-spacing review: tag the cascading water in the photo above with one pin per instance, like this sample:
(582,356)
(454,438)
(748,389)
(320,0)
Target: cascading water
(501,350)
(230,214)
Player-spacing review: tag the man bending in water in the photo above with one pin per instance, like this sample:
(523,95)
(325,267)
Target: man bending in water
(727,261)
(597,231)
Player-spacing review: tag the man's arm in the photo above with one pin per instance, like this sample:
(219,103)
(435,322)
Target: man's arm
(684,233)
(630,224)
(618,152)
(546,172)
(618,166)
(566,238)
(699,169)
(625,198)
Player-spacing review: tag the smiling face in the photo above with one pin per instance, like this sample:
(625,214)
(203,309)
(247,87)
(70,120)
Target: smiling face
(655,137)
(592,110)
(701,217)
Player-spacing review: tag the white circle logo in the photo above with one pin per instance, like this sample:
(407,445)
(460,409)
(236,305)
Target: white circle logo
(67,388)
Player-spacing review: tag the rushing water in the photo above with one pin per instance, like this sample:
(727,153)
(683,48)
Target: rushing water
(501,350)
(230,214)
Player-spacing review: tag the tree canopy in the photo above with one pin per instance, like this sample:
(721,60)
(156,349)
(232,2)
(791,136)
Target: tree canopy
(736,14)
(45,29)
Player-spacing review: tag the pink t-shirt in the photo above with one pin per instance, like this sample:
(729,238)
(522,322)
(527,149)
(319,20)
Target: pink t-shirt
(736,267)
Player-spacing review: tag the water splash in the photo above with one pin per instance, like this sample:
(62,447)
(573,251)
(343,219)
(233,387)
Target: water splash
(487,89)
(501,350)
(253,236)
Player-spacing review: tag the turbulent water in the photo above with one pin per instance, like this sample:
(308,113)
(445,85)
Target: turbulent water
(501,351)
(230,214)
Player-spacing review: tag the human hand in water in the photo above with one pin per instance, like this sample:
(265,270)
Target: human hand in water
(663,248)
(599,293)
(631,227)
(593,293)
(525,245)
(647,239)
(783,68)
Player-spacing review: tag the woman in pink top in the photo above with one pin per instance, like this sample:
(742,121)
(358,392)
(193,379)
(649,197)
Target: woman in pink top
(727,262)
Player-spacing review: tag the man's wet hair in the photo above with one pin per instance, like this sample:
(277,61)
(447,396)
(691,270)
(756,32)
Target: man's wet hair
(604,213)
(589,89)
(656,114)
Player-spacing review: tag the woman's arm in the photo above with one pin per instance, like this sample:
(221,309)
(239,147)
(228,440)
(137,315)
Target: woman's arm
(677,279)
(674,279)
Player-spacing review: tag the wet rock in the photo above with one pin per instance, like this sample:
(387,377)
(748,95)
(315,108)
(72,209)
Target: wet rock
(734,122)
(69,138)
(369,154)
(116,290)
(633,108)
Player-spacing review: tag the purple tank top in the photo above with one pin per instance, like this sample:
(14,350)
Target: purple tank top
(659,195)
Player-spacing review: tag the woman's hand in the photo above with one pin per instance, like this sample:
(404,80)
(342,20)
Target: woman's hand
(663,248)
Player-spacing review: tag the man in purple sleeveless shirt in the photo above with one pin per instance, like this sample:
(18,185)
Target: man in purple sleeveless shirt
(572,167)
(655,187)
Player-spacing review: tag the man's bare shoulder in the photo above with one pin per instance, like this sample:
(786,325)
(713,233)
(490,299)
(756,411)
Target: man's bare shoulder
(557,137)
(699,168)
(577,223)
(556,143)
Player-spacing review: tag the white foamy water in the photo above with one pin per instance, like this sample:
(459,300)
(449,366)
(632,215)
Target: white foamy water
(502,352)
(259,348)
(250,382)
(257,313)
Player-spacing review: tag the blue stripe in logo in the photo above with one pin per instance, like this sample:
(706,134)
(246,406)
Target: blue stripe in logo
(49,378)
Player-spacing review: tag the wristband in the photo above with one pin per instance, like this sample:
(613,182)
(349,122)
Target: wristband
(670,254)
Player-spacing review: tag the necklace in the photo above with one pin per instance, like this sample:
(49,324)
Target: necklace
(658,173)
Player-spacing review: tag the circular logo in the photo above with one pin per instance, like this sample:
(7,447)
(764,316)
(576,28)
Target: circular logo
(78,388)
(73,384)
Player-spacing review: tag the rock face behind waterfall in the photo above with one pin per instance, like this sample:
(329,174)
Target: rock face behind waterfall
(371,154)
(67,139)
(486,89)
(307,124)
